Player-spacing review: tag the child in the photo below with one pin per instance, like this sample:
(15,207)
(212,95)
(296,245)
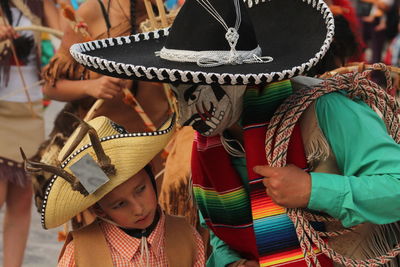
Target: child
(109,172)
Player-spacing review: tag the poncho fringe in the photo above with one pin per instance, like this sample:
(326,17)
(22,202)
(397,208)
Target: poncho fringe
(64,67)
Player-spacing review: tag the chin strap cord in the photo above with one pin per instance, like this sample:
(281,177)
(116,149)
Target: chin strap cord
(144,250)
(144,247)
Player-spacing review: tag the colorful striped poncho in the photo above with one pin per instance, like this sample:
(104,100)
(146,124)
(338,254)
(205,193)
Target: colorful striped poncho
(246,219)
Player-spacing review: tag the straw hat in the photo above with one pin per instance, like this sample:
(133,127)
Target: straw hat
(119,154)
(226,42)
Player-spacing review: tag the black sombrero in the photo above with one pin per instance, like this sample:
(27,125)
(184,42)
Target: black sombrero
(270,41)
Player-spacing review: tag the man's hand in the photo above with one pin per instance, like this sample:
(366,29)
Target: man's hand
(289,186)
(243,263)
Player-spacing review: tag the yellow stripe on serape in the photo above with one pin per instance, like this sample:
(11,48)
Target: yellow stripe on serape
(267,213)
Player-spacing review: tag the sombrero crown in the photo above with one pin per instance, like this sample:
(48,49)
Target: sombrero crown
(105,157)
(220,41)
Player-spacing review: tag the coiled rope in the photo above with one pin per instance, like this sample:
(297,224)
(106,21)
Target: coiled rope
(357,85)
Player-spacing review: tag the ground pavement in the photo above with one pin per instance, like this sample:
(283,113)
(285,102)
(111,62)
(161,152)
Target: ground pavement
(43,247)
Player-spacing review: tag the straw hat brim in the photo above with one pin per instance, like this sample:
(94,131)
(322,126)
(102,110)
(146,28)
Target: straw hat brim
(128,152)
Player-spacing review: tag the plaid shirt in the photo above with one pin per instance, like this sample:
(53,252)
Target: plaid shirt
(125,250)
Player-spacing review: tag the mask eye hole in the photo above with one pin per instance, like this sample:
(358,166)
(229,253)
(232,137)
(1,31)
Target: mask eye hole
(194,97)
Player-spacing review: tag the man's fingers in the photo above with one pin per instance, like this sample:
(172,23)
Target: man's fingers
(266,171)
(268,186)
(265,182)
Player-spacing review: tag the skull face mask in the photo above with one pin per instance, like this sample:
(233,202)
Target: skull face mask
(209,109)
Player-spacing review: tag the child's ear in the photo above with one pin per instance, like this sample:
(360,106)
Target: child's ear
(96,209)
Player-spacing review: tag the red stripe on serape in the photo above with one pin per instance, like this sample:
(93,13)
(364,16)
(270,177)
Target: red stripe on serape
(211,163)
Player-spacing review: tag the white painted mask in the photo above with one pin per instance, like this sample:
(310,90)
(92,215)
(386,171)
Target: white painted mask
(209,109)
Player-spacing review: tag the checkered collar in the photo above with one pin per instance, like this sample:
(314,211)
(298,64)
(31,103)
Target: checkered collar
(127,245)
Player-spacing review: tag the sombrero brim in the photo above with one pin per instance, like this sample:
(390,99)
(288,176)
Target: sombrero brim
(128,152)
(296,33)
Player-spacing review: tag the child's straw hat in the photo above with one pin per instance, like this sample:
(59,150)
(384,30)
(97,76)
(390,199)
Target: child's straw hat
(119,154)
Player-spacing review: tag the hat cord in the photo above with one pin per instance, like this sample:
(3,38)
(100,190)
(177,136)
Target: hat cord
(232,36)
(144,249)
(213,12)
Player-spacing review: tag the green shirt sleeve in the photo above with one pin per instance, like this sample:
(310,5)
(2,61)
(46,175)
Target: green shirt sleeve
(221,254)
(368,158)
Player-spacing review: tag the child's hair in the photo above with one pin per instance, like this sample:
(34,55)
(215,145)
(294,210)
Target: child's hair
(149,171)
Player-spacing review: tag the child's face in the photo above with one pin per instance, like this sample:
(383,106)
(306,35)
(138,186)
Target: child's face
(132,204)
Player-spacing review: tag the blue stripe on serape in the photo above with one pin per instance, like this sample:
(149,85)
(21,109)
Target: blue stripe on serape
(275,233)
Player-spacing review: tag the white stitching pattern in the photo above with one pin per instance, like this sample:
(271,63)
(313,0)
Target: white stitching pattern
(126,69)
(127,39)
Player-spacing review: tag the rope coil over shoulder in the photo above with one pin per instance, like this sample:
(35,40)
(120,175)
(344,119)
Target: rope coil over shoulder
(357,85)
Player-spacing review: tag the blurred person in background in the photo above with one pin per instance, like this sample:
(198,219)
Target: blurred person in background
(376,16)
(21,117)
